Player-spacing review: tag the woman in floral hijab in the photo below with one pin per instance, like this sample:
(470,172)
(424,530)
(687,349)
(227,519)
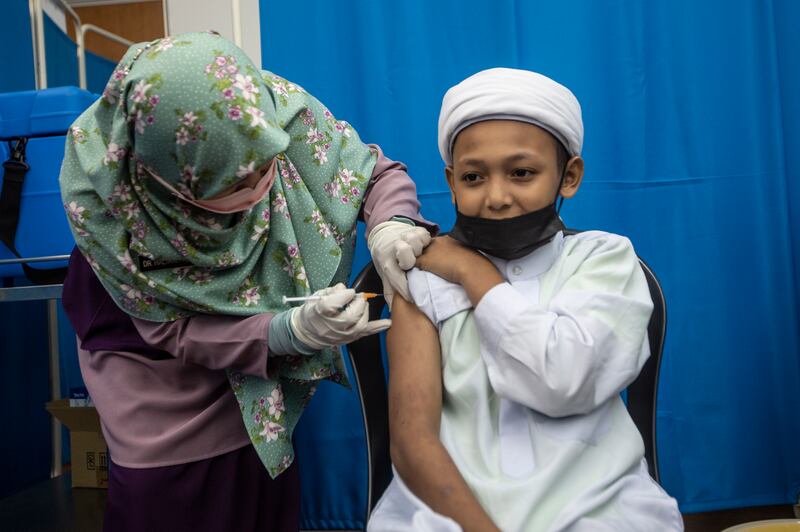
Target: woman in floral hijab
(200,191)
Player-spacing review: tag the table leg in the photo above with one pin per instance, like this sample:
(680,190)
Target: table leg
(55,384)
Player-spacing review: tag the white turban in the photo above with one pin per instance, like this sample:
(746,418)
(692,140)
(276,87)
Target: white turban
(510,94)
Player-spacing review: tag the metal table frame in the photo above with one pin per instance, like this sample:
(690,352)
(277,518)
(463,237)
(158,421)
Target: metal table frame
(50,293)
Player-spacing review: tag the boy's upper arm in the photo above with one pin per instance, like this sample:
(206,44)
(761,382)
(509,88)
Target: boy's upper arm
(415,371)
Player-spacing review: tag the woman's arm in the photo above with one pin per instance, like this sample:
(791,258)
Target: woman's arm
(391,211)
(213,341)
(216,342)
(391,192)
(415,409)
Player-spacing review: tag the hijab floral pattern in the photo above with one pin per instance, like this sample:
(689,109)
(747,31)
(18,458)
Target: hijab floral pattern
(195,112)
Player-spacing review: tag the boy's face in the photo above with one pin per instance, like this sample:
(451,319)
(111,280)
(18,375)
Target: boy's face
(505,168)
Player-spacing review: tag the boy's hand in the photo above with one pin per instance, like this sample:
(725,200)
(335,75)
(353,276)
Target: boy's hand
(454,262)
(448,259)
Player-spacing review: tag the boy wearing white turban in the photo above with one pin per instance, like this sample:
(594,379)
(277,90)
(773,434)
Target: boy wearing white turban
(506,368)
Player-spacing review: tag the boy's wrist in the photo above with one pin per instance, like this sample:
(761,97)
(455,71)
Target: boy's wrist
(465,269)
(461,271)
(477,277)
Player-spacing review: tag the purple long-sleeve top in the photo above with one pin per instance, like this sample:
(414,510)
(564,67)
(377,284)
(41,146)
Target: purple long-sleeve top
(160,388)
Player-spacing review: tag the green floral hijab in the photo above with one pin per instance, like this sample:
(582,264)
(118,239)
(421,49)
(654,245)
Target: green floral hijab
(194,112)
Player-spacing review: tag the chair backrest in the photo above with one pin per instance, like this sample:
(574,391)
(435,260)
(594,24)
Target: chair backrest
(642,394)
(367,361)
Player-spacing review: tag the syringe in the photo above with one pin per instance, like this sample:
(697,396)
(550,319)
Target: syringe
(302,299)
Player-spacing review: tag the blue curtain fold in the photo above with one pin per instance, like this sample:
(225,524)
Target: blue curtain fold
(692,150)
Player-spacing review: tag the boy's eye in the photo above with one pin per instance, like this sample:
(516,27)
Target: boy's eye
(470,177)
(523,173)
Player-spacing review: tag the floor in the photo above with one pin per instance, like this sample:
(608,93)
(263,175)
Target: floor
(52,506)
(716,521)
(81,510)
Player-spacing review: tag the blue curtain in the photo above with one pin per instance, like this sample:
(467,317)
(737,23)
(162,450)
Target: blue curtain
(23,379)
(16,59)
(691,111)
(62,61)
(24,389)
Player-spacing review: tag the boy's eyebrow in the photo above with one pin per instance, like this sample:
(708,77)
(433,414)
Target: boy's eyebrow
(522,155)
(472,162)
(510,159)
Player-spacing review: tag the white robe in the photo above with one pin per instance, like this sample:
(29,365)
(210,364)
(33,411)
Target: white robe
(531,414)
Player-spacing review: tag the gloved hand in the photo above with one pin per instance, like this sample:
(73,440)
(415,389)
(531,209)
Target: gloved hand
(340,317)
(394,247)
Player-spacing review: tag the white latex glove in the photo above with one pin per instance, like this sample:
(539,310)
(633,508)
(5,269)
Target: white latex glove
(340,317)
(394,247)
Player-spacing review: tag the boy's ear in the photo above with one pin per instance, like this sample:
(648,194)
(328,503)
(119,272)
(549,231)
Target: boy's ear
(448,173)
(572,177)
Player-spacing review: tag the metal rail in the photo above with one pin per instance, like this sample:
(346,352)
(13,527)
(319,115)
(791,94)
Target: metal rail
(37,34)
(80,35)
(48,258)
(236,12)
(39,52)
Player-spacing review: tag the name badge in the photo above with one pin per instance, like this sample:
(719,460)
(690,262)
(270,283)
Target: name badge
(147,264)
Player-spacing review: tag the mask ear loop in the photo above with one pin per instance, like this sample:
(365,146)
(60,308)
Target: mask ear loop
(559,197)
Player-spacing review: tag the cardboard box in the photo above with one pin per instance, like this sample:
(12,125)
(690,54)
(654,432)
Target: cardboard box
(89,453)
(79,396)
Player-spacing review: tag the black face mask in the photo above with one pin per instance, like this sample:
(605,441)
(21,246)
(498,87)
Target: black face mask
(509,238)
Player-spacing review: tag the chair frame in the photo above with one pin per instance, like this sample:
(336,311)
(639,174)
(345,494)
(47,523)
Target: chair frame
(366,358)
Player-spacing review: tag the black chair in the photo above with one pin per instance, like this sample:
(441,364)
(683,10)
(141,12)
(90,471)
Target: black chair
(367,362)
